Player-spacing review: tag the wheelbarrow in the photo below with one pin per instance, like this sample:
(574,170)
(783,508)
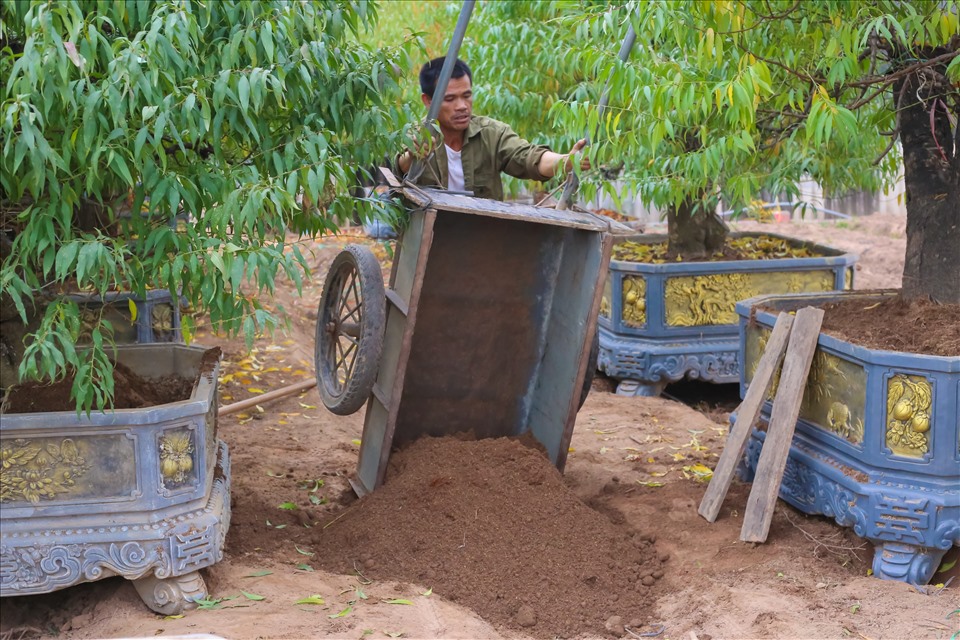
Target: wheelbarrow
(486,326)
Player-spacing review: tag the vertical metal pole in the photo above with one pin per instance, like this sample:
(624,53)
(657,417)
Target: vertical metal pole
(573,182)
(445,72)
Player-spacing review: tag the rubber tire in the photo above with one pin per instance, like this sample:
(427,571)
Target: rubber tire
(358,388)
(591,368)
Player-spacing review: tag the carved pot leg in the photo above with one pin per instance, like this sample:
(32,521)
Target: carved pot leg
(634,388)
(172,596)
(905,562)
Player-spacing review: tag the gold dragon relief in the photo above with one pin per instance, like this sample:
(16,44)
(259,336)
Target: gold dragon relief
(634,301)
(909,410)
(835,396)
(34,471)
(693,301)
(605,309)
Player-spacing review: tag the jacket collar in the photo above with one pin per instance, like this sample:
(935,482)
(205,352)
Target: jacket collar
(473,129)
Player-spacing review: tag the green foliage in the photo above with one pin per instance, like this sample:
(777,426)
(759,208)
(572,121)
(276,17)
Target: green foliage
(430,22)
(160,144)
(719,99)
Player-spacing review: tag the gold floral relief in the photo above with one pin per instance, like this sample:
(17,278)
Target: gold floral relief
(176,457)
(634,301)
(909,403)
(693,301)
(33,471)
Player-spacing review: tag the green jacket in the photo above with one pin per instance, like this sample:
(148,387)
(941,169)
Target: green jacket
(490,147)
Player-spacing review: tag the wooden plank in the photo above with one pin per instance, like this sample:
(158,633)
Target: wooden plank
(443,200)
(747,414)
(783,422)
(426,240)
(390,178)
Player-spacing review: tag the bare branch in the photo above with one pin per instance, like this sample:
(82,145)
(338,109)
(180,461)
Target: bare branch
(895,134)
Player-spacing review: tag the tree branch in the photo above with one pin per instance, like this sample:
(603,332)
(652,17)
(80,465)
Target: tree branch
(895,135)
(890,77)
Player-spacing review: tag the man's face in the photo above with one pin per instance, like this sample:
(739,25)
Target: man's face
(457,104)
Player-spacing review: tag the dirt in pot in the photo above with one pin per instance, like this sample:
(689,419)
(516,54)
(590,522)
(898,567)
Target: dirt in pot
(491,525)
(131,391)
(895,324)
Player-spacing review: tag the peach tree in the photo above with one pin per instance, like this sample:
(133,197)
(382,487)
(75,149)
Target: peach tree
(721,100)
(166,144)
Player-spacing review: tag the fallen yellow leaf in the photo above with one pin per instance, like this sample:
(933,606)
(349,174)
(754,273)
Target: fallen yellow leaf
(254,389)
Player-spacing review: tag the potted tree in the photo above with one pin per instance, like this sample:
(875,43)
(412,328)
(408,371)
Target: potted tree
(720,101)
(217,116)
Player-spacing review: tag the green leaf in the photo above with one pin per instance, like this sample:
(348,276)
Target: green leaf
(946,566)
(398,601)
(288,506)
(304,567)
(258,574)
(302,552)
(314,599)
(341,613)
(252,596)
(209,604)
(243,91)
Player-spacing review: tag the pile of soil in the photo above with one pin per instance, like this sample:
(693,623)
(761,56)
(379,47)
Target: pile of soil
(490,524)
(914,326)
(131,391)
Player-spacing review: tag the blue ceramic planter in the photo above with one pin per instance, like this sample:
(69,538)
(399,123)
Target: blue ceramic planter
(158,315)
(877,445)
(660,323)
(139,493)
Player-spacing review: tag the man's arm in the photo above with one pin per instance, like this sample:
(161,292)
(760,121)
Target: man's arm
(550,160)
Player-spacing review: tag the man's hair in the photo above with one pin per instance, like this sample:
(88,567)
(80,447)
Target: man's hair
(430,73)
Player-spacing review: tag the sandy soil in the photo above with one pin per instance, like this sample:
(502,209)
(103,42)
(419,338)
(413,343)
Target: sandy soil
(633,459)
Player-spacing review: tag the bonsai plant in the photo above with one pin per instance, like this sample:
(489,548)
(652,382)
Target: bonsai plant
(122,121)
(721,100)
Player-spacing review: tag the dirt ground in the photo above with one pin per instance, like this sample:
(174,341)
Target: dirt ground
(635,466)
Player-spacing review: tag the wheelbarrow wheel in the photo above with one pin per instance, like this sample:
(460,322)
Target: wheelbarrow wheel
(350,325)
(591,368)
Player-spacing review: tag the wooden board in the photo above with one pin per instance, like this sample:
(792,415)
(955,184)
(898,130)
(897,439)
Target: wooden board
(783,422)
(443,200)
(747,414)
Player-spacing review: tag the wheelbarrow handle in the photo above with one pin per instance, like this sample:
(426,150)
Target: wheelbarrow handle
(445,72)
(573,181)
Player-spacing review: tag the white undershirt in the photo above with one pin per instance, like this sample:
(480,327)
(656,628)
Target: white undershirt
(454,171)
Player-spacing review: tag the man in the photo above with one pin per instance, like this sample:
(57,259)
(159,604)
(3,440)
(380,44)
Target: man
(477,149)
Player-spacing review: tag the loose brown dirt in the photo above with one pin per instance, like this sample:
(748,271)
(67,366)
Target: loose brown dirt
(915,326)
(131,391)
(809,580)
(490,524)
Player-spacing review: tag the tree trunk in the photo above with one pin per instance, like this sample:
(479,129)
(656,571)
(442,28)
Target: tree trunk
(694,232)
(931,162)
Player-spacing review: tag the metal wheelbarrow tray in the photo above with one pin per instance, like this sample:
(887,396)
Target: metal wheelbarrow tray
(489,321)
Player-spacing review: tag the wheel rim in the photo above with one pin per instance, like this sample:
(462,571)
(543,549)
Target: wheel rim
(342,327)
